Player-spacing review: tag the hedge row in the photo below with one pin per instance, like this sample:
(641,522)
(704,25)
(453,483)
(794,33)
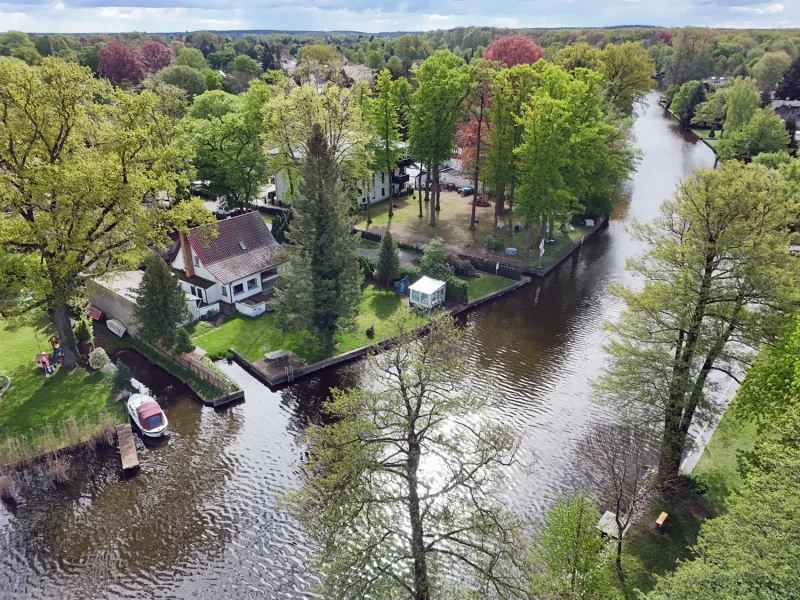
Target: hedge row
(486,266)
(457,290)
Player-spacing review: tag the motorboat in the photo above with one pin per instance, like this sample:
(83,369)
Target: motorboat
(147,415)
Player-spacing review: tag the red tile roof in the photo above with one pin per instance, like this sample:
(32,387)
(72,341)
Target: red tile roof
(240,247)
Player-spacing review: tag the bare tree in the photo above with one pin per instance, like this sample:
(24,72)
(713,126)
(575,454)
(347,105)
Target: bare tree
(400,489)
(617,460)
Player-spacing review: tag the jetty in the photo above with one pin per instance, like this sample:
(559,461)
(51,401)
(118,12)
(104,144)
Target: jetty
(127,449)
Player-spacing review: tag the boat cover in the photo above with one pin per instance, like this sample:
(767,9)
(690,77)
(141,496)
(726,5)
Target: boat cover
(150,415)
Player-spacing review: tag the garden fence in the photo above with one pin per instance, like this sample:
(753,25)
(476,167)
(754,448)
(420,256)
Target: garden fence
(193,364)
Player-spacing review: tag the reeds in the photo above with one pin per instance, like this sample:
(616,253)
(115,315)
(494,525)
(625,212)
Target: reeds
(57,468)
(7,487)
(71,434)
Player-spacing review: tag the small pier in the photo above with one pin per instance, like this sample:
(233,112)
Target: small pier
(127,449)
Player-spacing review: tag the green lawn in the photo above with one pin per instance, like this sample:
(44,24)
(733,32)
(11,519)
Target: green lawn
(717,465)
(368,244)
(34,400)
(485,284)
(267,218)
(253,336)
(703,133)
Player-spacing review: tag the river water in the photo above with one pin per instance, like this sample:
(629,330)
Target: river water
(200,520)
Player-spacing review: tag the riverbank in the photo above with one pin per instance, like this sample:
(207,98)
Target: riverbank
(701,133)
(274,376)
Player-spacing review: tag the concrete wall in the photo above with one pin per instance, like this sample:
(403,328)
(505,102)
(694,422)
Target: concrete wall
(251,311)
(114,306)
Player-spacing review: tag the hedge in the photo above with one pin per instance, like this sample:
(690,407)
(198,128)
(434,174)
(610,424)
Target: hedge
(377,237)
(486,266)
(457,290)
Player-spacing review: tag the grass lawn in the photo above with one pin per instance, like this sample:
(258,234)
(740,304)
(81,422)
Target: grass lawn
(703,133)
(717,465)
(253,336)
(453,225)
(485,284)
(267,218)
(652,551)
(32,400)
(362,243)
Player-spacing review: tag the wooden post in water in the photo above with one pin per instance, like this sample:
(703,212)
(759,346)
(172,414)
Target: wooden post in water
(127,449)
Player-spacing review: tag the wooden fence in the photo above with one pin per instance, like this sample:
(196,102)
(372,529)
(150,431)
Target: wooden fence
(193,364)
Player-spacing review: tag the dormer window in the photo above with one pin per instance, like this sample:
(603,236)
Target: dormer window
(242,246)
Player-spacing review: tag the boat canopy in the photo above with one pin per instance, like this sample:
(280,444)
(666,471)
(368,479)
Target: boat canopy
(150,415)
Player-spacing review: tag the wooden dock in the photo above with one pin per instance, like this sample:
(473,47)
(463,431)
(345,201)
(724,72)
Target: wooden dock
(127,449)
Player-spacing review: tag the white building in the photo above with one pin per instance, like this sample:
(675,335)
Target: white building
(427,292)
(233,262)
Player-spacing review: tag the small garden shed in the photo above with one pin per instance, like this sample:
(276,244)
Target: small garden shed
(427,292)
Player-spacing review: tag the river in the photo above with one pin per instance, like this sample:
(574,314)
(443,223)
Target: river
(199,520)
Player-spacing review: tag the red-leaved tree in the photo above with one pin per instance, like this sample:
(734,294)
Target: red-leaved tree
(514,50)
(121,62)
(155,56)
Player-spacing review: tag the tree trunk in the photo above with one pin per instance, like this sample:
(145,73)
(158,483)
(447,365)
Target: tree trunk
(498,207)
(550,228)
(511,207)
(527,240)
(65,336)
(427,183)
(433,200)
(369,210)
(390,172)
(477,171)
(421,591)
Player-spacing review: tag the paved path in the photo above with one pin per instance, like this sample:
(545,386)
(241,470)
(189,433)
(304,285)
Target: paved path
(406,258)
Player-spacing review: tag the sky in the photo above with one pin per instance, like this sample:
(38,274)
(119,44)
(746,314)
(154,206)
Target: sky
(82,16)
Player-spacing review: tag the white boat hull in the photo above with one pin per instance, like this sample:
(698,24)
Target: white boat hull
(133,403)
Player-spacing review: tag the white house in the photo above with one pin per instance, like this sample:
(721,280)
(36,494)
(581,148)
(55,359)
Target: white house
(234,262)
(115,294)
(427,292)
(373,189)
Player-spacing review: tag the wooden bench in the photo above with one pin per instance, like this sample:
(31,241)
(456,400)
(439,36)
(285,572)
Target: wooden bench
(661,520)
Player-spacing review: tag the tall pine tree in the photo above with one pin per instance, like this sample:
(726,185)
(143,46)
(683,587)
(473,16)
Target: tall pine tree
(323,286)
(388,261)
(789,86)
(160,304)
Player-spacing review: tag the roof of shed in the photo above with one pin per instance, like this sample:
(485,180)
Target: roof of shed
(427,285)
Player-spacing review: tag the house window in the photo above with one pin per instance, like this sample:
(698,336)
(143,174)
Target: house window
(383,175)
(238,289)
(252,284)
(225,290)
(196,261)
(383,191)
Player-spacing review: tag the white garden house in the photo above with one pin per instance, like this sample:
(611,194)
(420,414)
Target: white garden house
(427,292)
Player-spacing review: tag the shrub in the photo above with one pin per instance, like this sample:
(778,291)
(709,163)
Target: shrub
(183,343)
(461,267)
(494,244)
(367,265)
(121,378)
(84,335)
(457,290)
(98,358)
(712,134)
(413,273)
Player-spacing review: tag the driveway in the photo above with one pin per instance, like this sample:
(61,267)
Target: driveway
(406,258)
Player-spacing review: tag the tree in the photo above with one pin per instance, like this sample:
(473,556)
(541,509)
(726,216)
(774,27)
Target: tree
(11,40)
(225,134)
(434,259)
(579,55)
(742,102)
(89,56)
(290,117)
(789,86)
(750,551)
(717,277)
(245,64)
(183,342)
(191,57)
(770,68)
(514,50)
(120,63)
(323,286)
(395,66)
(388,260)
(320,60)
(764,132)
(160,308)
(81,163)
(398,488)
(443,84)
(616,459)
(568,556)
(628,71)
(411,47)
(27,54)
(383,114)
(474,125)
(686,101)
(691,58)
(155,56)
(188,79)
(711,112)
(374,60)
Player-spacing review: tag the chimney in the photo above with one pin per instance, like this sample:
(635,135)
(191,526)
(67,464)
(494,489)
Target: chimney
(188,264)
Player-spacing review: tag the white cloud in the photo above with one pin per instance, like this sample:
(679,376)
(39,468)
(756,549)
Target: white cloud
(439,17)
(760,9)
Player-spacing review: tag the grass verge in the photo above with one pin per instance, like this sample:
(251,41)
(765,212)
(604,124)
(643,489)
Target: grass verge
(485,284)
(253,336)
(34,401)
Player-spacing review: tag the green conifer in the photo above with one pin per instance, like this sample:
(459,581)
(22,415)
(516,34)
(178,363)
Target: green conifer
(160,304)
(388,261)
